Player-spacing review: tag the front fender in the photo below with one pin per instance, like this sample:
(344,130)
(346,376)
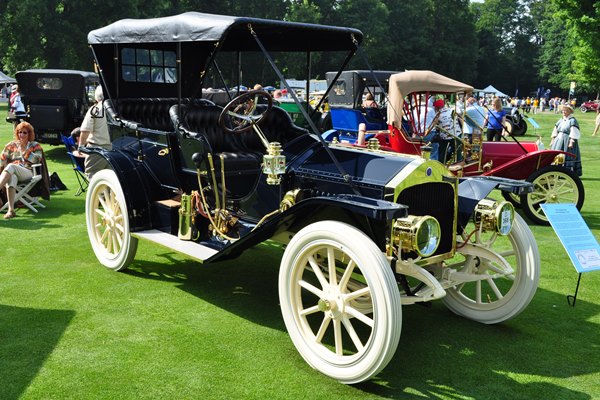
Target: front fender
(472,190)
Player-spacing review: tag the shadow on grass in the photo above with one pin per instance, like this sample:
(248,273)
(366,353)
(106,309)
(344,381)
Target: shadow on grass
(27,338)
(61,203)
(443,355)
(440,354)
(246,286)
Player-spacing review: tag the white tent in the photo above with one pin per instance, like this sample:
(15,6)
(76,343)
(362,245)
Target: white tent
(6,79)
(492,90)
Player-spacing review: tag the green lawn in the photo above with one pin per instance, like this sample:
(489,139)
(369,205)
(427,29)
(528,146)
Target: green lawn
(170,328)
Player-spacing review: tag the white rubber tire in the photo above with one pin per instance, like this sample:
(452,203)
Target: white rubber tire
(520,250)
(107,221)
(323,309)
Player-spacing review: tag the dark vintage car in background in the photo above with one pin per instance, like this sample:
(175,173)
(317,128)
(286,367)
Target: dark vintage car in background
(362,231)
(516,121)
(56,100)
(346,110)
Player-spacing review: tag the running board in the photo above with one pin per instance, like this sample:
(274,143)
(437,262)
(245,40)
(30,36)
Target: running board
(189,248)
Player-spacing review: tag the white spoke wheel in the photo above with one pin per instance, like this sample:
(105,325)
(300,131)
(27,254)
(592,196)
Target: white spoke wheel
(340,301)
(497,297)
(108,221)
(551,184)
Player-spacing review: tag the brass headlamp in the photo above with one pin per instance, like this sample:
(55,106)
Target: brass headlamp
(420,234)
(493,216)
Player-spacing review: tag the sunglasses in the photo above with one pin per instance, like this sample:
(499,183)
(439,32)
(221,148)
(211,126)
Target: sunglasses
(24,132)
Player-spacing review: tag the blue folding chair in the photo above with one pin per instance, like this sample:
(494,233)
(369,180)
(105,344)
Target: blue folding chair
(78,164)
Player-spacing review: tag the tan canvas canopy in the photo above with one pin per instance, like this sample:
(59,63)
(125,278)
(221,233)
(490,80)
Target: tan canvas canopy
(405,83)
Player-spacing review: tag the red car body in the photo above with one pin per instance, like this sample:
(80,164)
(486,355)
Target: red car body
(589,106)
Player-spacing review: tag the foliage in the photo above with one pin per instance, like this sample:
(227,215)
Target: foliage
(518,45)
(582,20)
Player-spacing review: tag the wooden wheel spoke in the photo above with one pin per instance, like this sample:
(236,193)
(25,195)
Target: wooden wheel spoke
(331,266)
(353,335)
(339,341)
(360,316)
(312,289)
(317,270)
(323,328)
(495,289)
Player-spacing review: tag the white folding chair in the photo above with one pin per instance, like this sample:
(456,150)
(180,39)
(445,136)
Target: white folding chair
(22,191)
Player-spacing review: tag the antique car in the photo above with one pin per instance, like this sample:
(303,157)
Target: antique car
(516,120)
(363,231)
(56,100)
(589,106)
(346,108)
(511,158)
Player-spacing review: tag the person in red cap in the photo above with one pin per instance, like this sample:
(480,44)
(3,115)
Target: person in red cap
(444,129)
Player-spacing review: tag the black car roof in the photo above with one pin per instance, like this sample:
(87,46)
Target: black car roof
(366,75)
(231,31)
(85,74)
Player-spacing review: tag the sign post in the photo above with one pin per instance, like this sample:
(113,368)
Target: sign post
(577,239)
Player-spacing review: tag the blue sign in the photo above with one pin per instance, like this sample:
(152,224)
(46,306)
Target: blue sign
(574,234)
(533,122)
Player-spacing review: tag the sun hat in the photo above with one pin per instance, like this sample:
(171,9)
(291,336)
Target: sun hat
(568,107)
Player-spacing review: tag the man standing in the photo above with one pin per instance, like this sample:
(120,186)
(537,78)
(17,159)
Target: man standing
(94,133)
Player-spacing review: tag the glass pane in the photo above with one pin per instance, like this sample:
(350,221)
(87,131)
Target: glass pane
(127,56)
(156,57)
(49,83)
(340,88)
(128,73)
(169,59)
(170,75)
(158,74)
(142,57)
(143,74)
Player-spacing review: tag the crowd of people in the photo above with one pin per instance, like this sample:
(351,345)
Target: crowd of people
(442,125)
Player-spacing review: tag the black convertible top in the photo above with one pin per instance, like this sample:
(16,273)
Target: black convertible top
(233,32)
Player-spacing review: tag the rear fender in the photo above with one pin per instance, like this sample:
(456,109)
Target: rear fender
(523,166)
(137,183)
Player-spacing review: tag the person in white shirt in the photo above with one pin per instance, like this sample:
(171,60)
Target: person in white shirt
(94,133)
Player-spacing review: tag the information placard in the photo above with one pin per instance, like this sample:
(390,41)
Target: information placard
(574,234)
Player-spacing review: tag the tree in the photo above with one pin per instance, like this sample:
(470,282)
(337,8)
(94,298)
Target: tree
(582,21)
(554,64)
(507,45)
(454,41)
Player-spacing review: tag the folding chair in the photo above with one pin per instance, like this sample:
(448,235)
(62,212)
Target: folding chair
(23,189)
(78,164)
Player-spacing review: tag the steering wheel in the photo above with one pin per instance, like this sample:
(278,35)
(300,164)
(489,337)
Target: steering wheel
(241,111)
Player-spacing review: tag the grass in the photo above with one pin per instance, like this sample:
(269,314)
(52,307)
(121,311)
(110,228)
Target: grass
(170,328)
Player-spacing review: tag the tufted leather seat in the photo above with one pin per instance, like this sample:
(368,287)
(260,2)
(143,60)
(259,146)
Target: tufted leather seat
(151,113)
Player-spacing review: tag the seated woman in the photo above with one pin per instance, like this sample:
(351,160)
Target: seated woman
(16,162)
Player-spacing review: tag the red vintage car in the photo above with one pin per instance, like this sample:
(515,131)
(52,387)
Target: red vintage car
(589,106)
(553,182)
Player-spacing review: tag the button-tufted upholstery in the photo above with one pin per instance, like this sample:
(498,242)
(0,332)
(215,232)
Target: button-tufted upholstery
(277,126)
